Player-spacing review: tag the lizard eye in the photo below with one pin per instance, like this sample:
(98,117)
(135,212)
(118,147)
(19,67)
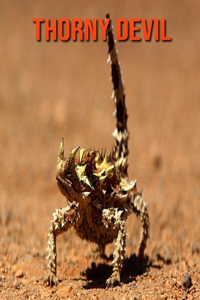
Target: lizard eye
(68,173)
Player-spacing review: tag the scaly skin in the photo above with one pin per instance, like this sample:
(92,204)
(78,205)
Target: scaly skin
(99,194)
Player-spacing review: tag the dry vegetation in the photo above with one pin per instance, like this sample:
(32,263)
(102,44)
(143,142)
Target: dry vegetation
(54,90)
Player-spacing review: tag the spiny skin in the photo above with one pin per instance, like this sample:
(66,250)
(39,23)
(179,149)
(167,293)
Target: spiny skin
(99,194)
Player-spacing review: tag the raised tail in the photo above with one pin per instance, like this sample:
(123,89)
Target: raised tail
(120,133)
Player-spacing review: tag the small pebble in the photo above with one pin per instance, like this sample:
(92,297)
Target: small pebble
(195,247)
(69,288)
(168,257)
(16,284)
(187,281)
(19,274)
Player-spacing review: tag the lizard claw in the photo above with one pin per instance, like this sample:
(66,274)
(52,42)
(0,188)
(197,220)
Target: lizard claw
(112,281)
(51,280)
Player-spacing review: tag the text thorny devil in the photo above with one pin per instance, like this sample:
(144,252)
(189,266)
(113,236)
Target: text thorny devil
(77,29)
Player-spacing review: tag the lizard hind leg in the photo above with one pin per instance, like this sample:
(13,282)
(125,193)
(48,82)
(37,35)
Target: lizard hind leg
(63,219)
(99,251)
(140,208)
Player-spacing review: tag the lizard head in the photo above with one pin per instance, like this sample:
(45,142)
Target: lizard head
(74,173)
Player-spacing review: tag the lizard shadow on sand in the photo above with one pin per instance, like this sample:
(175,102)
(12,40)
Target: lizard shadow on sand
(98,274)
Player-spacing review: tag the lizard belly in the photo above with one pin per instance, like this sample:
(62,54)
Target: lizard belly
(94,230)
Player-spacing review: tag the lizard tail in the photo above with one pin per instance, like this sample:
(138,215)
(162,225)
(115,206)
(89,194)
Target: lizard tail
(120,133)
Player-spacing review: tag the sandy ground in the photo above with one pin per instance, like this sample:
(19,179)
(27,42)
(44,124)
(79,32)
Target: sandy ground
(50,90)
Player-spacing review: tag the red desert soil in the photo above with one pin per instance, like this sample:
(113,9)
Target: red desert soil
(50,90)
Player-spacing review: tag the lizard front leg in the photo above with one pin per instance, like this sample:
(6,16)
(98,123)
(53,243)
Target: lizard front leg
(63,219)
(114,218)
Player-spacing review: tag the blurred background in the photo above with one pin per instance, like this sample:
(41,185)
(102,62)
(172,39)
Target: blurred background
(50,90)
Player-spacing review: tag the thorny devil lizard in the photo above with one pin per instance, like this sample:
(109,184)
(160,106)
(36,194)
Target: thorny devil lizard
(99,194)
